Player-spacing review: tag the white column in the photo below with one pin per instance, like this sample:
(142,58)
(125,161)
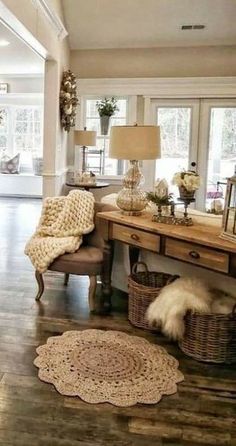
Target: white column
(51,122)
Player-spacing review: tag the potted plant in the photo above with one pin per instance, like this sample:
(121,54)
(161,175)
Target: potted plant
(106,108)
(188,182)
(160,201)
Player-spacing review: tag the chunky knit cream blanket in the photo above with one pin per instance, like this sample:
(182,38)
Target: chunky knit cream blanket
(63,222)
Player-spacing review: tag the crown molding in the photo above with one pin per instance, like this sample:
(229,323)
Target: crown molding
(51,16)
(201,87)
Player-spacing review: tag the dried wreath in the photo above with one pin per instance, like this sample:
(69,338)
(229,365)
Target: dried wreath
(68,100)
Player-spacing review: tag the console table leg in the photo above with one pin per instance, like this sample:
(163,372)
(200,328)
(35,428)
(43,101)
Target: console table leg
(106,275)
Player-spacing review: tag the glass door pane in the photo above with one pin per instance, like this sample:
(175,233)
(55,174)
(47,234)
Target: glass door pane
(178,125)
(222,151)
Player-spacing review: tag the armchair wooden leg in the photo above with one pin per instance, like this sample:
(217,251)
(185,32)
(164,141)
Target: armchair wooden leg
(39,278)
(92,292)
(66,278)
(106,275)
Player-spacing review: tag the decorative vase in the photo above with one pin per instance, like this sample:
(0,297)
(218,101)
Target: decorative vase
(104,124)
(185,194)
(38,165)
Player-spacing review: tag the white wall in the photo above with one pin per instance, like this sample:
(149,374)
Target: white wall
(22,84)
(155,62)
(160,263)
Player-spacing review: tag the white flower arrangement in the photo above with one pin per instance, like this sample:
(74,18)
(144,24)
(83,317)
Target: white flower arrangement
(188,179)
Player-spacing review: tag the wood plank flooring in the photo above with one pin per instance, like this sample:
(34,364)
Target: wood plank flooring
(32,413)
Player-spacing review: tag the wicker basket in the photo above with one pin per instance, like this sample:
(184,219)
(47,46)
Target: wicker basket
(210,337)
(144,287)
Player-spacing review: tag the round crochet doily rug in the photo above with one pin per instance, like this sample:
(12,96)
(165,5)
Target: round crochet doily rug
(108,366)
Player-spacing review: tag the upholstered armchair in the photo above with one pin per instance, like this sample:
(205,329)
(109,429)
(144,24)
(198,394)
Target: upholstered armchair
(91,260)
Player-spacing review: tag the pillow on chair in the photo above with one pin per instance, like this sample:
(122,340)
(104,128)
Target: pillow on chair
(10,165)
(110,199)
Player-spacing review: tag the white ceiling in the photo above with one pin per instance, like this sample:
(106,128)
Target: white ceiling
(17,58)
(94,24)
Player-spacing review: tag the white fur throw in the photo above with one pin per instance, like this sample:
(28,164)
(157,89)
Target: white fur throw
(169,308)
(63,222)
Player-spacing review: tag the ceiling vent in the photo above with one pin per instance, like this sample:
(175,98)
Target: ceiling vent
(190,27)
(184,27)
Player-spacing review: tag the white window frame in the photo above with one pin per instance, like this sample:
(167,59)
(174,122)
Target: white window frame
(130,120)
(11,106)
(204,134)
(200,132)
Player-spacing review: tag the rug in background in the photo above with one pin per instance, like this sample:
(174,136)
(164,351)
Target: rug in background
(108,366)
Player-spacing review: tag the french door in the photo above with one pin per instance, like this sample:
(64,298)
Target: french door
(217,147)
(201,132)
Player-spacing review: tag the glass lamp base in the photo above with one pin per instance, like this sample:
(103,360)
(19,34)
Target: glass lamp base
(131,199)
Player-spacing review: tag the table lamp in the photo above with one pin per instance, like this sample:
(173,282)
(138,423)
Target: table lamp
(134,143)
(84,138)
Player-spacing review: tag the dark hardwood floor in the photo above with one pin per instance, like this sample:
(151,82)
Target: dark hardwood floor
(32,413)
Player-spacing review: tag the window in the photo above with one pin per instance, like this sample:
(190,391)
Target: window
(21,132)
(4,131)
(27,131)
(97,158)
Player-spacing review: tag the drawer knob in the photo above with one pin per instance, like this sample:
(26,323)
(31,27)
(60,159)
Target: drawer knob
(194,254)
(135,237)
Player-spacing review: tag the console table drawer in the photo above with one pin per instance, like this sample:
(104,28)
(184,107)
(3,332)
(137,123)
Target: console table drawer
(198,255)
(136,237)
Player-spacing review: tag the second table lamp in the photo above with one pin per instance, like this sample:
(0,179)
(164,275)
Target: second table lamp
(134,143)
(85,138)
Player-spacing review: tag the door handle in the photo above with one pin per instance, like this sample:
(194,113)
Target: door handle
(135,237)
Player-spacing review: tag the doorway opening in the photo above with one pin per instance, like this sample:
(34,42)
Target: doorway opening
(21,117)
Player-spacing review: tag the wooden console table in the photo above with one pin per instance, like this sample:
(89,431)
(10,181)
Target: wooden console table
(199,245)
